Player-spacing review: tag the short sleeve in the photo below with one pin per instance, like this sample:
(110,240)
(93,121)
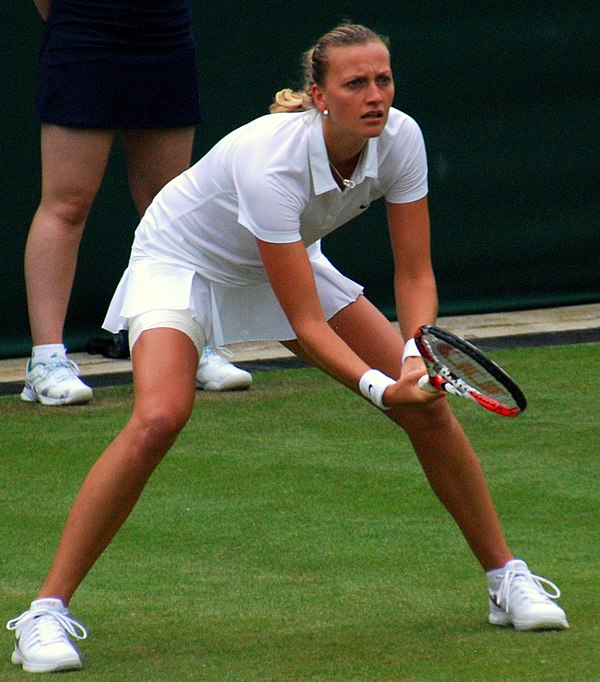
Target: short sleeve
(407,163)
(272,194)
(268,209)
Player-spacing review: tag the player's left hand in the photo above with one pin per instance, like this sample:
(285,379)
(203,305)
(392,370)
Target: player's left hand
(406,391)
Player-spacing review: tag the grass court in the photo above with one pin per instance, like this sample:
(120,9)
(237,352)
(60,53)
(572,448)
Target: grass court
(290,535)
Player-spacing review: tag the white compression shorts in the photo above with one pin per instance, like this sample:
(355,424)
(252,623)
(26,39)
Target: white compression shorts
(170,319)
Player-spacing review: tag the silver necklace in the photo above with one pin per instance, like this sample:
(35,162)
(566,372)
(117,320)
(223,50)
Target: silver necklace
(347,182)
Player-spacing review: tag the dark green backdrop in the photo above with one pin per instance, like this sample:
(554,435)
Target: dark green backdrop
(506,94)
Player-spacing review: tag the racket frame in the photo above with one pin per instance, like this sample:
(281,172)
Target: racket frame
(442,378)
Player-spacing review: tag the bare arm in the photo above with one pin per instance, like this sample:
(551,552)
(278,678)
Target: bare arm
(414,281)
(292,279)
(291,276)
(43,7)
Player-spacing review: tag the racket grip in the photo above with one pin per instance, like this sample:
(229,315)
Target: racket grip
(436,383)
(425,385)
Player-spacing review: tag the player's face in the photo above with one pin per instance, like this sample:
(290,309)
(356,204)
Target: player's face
(358,91)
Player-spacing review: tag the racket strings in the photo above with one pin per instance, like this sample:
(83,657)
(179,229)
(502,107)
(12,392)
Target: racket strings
(476,378)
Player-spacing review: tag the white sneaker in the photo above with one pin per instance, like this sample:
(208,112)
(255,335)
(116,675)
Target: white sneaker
(216,374)
(42,644)
(55,383)
(518,598)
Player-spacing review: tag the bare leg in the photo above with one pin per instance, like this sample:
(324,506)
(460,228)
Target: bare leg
(73,164)
(443,449)
(456,477)
(154,157)
(164,366)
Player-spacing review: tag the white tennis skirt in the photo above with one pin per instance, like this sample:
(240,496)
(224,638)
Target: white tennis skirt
(227,313)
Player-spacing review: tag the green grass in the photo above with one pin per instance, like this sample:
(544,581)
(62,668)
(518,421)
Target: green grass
(290,535)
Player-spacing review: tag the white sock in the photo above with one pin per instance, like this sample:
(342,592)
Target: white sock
(47,353)
(499,571)
(494,573)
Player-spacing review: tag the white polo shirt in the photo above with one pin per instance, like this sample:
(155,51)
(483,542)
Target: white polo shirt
(268,179)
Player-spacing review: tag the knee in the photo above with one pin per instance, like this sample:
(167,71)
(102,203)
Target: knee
(157,428)
(69,211)
(429,417)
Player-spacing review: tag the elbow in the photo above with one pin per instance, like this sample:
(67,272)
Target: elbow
(309,333)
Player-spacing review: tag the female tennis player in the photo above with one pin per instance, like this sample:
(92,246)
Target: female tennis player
(230,251)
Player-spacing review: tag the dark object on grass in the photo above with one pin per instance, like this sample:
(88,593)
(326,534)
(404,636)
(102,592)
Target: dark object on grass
(116,348)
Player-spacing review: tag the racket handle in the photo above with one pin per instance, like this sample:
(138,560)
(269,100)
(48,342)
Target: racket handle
(436,383)
(425,385)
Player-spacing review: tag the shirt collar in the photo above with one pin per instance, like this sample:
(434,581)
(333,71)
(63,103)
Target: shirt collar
(323,180)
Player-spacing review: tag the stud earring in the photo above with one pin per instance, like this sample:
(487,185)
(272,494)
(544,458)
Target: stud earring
(325,112)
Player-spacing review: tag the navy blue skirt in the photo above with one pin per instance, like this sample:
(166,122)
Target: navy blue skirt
(81,88)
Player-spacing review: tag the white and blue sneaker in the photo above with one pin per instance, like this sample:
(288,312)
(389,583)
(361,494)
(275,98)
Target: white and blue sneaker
(55,383)
(42,638)
(519,598)
(217,374)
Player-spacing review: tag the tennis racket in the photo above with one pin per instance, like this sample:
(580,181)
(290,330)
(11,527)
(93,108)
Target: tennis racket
(460,368)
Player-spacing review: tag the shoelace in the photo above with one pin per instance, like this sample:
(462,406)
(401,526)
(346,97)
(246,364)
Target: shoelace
(62,370)
(50,625)
(531,585)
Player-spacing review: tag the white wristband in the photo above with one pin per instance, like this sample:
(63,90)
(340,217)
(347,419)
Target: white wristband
(372,385)
(410,350)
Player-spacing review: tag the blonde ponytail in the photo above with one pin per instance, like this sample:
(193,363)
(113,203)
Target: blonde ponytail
(288,100)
